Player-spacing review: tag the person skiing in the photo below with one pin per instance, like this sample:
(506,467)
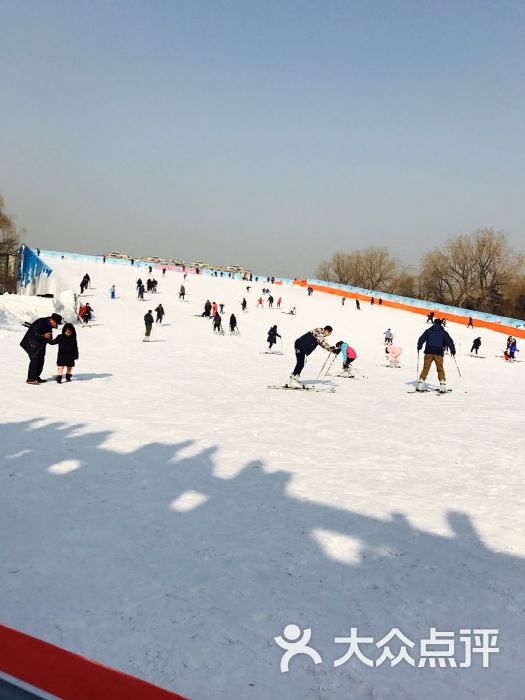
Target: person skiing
(163,271)
(270,302)
(67,351)
(435,339)
(34,342)
(470,323)
(476,344)
(279,302)
(349,355)
(141,292)
(380,301)
(243,304)
(207,309)
(160,313)
(217,324)
(372,301)
(139,283)
(513,349)
(221,307)
(272,337)
(343,301)
(260,303)
(148,322)
(357,305)
(182,292)
(304,346)
(430,317)
(112,292)
(233,324)
(389,337)
(393,352)
(86,313)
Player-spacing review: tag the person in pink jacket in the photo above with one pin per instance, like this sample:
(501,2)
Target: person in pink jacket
(393,352)
(349,355)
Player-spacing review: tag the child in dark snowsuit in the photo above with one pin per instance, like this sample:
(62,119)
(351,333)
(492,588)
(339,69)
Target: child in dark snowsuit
(67,351)
(476,345)
(272,337)
(217,323)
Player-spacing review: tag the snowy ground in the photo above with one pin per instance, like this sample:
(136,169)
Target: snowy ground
(169,515)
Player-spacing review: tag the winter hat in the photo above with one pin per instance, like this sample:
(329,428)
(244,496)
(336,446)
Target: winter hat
(57,318)
(438,322)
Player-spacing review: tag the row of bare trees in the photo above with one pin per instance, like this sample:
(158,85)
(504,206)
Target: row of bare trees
(478,271)
(9,235)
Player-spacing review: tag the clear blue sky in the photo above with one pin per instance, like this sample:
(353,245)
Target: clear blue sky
(269,134)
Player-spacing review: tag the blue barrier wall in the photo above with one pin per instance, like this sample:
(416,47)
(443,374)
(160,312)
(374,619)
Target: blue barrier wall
(423,304)
(31,268)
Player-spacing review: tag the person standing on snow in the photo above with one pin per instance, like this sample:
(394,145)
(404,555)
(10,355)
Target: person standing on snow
(272,337)
(160,313)
(279,302)
(260,303)
(270,302)
(476,344)
(389,337)
(182,292)
(207,309)
(217,324)
(435,339)
(233,324)
(304,346)
(357,305)
(148,322)
(243,304)
(112,292)
(34,342)
(67,351)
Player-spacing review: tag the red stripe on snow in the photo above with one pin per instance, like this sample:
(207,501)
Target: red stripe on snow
(67,675)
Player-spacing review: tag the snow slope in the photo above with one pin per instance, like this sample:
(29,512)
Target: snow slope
(169,515)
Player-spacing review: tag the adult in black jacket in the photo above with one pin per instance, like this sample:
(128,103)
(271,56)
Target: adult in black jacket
(67,351)
(207,309)
(34,342)
(435,339)
(148,320)
(305,345)
(160,313)
(233,324)
(476,345)
(272,336)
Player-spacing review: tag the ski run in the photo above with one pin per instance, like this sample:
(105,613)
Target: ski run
(166,514)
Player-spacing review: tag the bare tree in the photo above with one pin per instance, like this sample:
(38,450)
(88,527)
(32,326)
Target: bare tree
(324,271)
(9,236)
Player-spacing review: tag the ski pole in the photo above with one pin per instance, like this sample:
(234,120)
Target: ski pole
(454,356)
(417,370)
(322,368)
(330,365)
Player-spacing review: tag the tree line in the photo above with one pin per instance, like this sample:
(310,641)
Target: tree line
(10,237)
(479,271)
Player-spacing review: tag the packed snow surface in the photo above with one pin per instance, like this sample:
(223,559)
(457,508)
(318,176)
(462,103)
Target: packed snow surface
(167,514)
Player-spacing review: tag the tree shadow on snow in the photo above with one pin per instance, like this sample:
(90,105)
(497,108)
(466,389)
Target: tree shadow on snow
(151,562)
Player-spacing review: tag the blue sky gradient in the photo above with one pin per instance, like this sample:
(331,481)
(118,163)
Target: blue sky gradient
(269,134)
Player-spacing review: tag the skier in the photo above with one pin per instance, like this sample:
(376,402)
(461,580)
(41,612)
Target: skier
(470,323)
(148,322)
(67,351)
(476,344)
(292,311)
(163,271)
(86,313)
(207,309)
(389,337)
(160,313)
(270,302)
(304,346)
(349,355)
(182,292)
(435,339)
(260,303)
(430,317)
(233,324)
(393,352)
(139,283)
(141,292)
(217,324)
(243,304)
(279,302)
(513,349)
(272,337)
(150,269)
(372,301)
(221,307)
(214,309)
(357,305)
(83,285)
(380,301)
(112,292)
(34,342)
(343,301)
